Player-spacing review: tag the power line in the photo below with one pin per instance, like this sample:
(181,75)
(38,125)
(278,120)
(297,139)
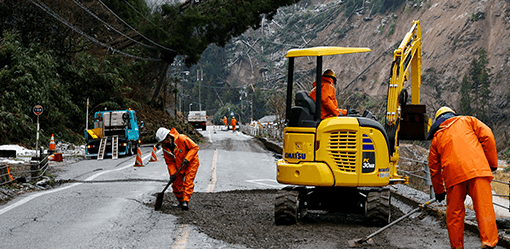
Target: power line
(108,25)
(371,64)
(136,31)
(132,7)
(53,14)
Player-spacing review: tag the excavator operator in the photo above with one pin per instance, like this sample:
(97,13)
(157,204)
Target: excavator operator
(329,104)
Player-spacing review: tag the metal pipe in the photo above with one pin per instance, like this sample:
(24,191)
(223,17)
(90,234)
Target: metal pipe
(318,89)
(290,80)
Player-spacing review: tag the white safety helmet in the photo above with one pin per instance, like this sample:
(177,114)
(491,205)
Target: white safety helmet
(161,134)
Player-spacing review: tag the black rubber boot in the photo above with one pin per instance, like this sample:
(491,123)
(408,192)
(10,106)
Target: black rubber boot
(185,205)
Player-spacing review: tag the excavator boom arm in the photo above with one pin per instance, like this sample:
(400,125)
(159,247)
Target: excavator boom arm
(407,57)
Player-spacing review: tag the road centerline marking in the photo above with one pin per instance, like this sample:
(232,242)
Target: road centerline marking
(182,238)
(212,181)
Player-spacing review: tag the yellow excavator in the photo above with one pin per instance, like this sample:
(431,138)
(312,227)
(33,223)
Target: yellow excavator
(346,163)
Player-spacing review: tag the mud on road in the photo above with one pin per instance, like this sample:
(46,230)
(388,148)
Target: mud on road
(246,217)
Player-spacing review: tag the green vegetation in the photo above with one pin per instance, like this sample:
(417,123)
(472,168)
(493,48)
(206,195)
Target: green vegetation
(506,155)
(43,61)
(33,76)
(475,88)
(392,26)
(477,16)
(383,6)
(193,28)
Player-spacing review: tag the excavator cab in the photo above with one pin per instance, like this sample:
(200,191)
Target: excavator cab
(346,163)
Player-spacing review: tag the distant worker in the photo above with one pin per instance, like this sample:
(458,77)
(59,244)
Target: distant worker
(179,149)
(329,104)
(233,122)
(225,121)
(462,155)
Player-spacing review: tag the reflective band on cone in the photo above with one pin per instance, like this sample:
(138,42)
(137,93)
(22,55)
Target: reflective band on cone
(52,143)
(154,158)
(138,161)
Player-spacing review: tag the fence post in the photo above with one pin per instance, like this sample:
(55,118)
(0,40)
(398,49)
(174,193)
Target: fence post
(34,170)
(3,173)
(428,181)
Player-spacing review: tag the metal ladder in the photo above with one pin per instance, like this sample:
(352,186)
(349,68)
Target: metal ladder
(115,147)
(102,148)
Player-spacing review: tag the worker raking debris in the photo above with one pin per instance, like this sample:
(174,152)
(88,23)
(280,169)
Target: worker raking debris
(462,156)
(179,150)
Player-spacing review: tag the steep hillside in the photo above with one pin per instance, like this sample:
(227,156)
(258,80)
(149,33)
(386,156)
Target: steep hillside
(453,32)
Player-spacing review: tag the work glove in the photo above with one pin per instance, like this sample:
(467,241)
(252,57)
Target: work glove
(440,197)
(494,169)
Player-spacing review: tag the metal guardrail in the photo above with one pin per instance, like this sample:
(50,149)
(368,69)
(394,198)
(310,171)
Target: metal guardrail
(263,131)
(507,196)
(428,181)
(10,172)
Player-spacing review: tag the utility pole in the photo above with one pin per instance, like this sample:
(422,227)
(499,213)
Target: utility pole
(200,77)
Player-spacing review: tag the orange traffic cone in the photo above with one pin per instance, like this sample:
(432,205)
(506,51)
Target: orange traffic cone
(154,158)
(52,144)
(138,161)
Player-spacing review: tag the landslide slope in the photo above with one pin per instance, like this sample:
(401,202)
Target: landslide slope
(453,32)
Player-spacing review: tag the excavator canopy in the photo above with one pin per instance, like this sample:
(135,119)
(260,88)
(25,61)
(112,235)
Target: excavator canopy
(323,51)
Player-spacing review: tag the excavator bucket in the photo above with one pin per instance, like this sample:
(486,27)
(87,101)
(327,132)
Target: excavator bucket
(414,124)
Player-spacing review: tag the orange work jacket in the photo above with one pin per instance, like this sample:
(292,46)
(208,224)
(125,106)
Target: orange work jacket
(233,122)
(329,105)
(463,148)
(185,148)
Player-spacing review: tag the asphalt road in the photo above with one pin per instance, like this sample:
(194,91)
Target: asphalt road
(109,204)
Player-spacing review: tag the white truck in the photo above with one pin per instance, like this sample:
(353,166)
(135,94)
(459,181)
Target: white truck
(198,119)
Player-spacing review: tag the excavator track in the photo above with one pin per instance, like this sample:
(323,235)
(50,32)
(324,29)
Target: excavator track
(378,207)
(287,207)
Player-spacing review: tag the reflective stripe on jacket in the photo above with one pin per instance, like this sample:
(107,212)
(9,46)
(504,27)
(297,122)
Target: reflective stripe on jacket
(463,148)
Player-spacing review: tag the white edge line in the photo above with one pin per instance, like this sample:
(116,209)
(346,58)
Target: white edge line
(33,196)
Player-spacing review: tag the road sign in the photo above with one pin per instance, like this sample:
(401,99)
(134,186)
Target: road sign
(231,113)
(38,110)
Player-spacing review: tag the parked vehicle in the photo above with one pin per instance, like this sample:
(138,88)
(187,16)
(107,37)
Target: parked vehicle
(198,119)
(115,133)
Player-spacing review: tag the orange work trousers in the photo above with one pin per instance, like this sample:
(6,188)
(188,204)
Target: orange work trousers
(184,183)
(479,189)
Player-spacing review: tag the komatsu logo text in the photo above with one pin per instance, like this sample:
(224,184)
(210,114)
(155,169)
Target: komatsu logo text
(296,155)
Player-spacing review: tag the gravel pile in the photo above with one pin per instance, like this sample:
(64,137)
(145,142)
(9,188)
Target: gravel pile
(247,217)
